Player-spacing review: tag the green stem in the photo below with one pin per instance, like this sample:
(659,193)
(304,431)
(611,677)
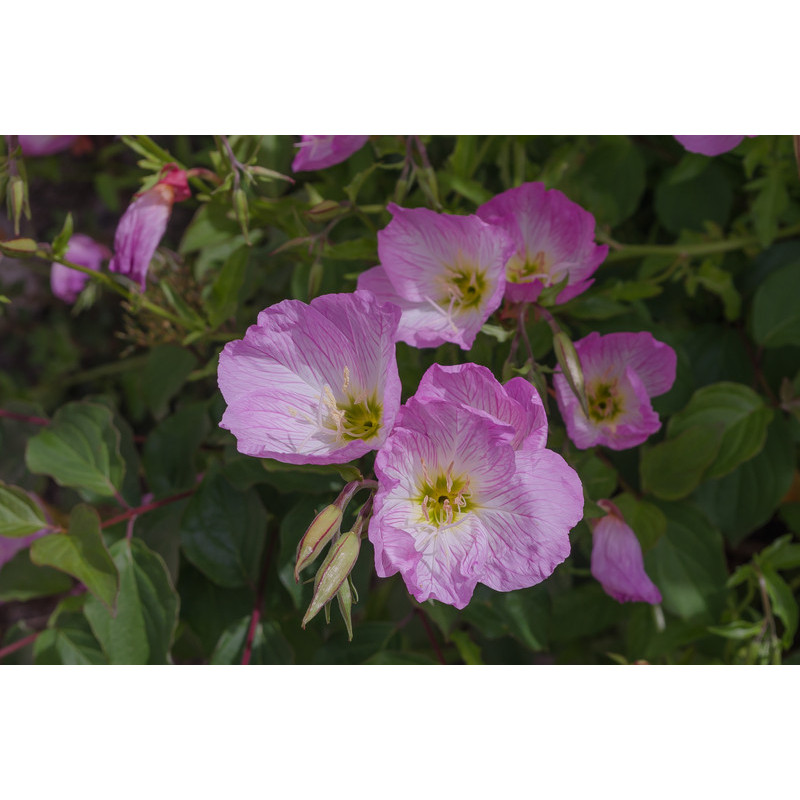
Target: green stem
(629,251)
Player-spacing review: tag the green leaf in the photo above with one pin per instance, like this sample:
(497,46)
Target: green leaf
(770,203)
(61,242)
(469,651)
(166,370)
(82,553)
(738,629)
(142,630)
(269,645)
(688,564)
(68,639)
(784,604)
(645,519)
(168,455)
(20,515)
(672,469)
(740,412)
(21,580)
(689,204)
(741,502)
(598,477)
(526,612)
(79,449)
(223,532)
(776,312)
(222,300)
(353,250)
(781,554)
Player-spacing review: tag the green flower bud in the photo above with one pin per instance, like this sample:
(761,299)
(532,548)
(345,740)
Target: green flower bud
(345,600)
(333,572)
(571,367)
(324,527)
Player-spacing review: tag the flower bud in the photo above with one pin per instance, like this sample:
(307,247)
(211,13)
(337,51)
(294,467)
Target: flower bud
(19,248)
(18,200)
(345,600)
(571,367)
(333,572)
(324,527)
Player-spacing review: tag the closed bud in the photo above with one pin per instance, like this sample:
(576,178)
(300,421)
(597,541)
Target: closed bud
(571,367)
(327,209)
(314,279)
(242,211)
(18,200)
(333,572)
(324,527)
(19,248)
(345,600)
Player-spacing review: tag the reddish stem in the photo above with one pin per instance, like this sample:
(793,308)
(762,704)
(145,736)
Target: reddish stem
(262,585)
(12,648)
(24,418)
(431,635)
(134,512)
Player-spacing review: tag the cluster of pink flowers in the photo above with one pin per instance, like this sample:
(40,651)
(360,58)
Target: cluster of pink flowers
(467,491)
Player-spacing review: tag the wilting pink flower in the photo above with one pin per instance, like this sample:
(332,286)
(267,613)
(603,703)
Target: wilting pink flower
(318,152)
(313,384)
(144,222)
(516,404)
(457,505)
(68,283)
(621,371)
(617,559)
(710,145)
(553,239)
(44,145)
(444,272)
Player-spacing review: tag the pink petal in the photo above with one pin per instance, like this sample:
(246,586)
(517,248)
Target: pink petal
(44,145)
(68,283)
(318,152)
(618,565)
(710,145)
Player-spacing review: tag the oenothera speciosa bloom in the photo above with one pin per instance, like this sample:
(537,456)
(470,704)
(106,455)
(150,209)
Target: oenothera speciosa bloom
(468,493)
(313,384)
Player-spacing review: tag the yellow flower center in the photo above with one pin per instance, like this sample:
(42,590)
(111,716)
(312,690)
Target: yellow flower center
(604,401)
(444,498)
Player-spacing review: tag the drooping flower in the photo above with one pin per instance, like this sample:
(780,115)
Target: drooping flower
(313,384)
(444,272)
(553,239)
(457,505)
(516,403)
(617,562)
(318,152)
(45,145)
(621,372)
(68,283)
(710,145)
(144,222)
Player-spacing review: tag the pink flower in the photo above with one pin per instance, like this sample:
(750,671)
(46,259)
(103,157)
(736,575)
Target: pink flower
(457,505)
(621,371)
(44,145)
(318,152)
(553,237)
(516,404)
(144,222)
(617,560)
(710,145)
(68,283)
(444,272)
(313,384)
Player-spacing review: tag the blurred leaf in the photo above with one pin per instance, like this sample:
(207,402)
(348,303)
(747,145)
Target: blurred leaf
(598,477)
(269,646)
(223,532)
(688,204)
(142,630)
(168,455)
(469,651)
(740,412)
(776,312)
(166,370)
(582,612)
(784,604)
(672,469)
(771,201)
(688,564)
(82,553)
(746,498)
(20,515)
(222,299)
(68,639)
(21,580)
(80,449)
(738,629)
